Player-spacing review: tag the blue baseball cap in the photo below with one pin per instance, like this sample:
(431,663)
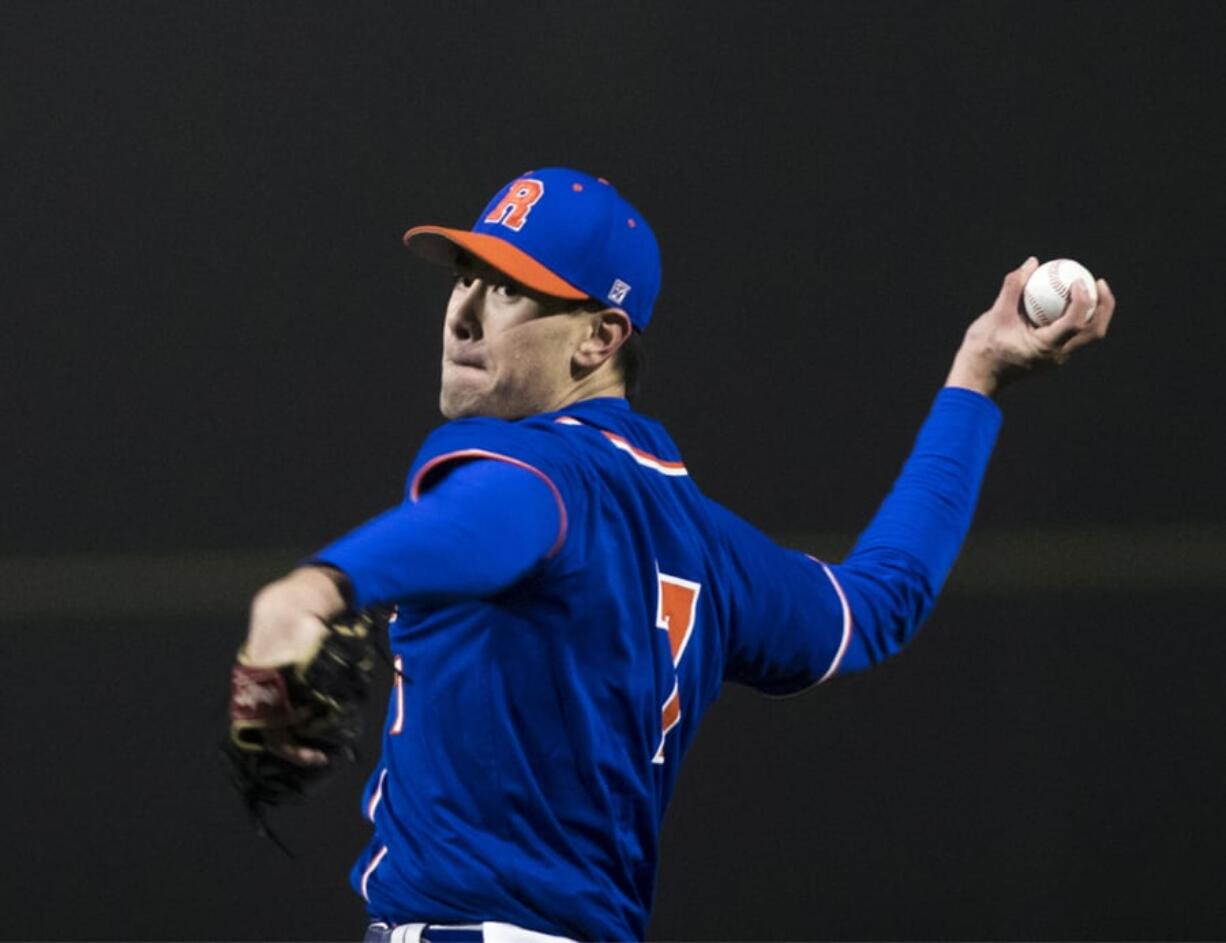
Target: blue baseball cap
(562,233)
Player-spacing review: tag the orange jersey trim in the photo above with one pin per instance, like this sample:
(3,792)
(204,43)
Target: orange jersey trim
(644,458)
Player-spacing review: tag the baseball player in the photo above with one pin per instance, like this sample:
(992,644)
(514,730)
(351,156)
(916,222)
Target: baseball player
(568,602)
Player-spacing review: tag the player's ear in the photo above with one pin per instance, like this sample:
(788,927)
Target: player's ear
(607,330)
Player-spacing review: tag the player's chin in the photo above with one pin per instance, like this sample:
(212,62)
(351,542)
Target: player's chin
(460,397)
(464,400)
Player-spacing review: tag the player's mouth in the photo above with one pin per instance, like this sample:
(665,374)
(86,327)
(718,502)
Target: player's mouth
(469,362)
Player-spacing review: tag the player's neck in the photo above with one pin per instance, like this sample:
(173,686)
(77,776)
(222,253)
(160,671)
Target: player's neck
(606,381)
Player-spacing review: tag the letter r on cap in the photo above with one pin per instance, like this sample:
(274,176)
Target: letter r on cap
(514,208)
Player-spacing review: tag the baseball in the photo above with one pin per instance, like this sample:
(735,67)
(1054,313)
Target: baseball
(1047,293)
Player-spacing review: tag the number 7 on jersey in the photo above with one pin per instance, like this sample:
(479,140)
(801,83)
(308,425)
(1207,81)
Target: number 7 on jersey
(675,612)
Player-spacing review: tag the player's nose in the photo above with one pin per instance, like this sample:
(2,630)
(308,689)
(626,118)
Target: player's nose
(464,314)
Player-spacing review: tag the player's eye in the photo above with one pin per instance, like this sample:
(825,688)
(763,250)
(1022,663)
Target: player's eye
(507,289)
(464,278)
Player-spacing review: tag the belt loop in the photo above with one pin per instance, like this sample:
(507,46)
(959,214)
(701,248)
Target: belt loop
(408,933)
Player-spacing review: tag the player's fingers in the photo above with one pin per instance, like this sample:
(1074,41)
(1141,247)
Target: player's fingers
(1078,340)
(1106,306)
(1011,288)
(306,756)
(303,756)
(1082,302)
(280,744)
(1098,327)
(1071,323)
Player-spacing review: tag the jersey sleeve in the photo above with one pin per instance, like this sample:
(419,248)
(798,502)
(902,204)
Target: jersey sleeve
(789,624)
(484,504)
(534,447)
(798,621)
(900,562)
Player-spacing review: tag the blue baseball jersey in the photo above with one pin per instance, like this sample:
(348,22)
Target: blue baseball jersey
(536,729)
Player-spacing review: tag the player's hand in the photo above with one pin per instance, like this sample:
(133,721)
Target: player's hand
(290,722)
(1001,345)
(289,618)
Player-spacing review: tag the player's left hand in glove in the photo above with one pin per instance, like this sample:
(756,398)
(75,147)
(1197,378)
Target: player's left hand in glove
(290,723)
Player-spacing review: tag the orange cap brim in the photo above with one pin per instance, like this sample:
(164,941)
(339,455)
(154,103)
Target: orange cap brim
(436,244)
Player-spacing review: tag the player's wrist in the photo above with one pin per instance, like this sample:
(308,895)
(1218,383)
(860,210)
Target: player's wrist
(336,577)
(973,369)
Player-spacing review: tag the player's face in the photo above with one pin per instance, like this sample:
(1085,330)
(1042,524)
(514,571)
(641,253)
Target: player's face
(506,349)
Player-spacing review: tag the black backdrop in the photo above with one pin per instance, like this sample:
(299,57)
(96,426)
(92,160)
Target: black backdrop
(214,344)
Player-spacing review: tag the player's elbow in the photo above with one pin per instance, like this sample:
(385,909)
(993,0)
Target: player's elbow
(889,600)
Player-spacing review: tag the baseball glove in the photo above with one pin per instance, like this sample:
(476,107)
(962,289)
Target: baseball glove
(314,703)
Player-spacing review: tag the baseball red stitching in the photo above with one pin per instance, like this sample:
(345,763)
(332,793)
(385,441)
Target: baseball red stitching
(1053,277)
(1059,287)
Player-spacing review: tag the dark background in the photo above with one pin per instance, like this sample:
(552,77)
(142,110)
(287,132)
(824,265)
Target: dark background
(217,356)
